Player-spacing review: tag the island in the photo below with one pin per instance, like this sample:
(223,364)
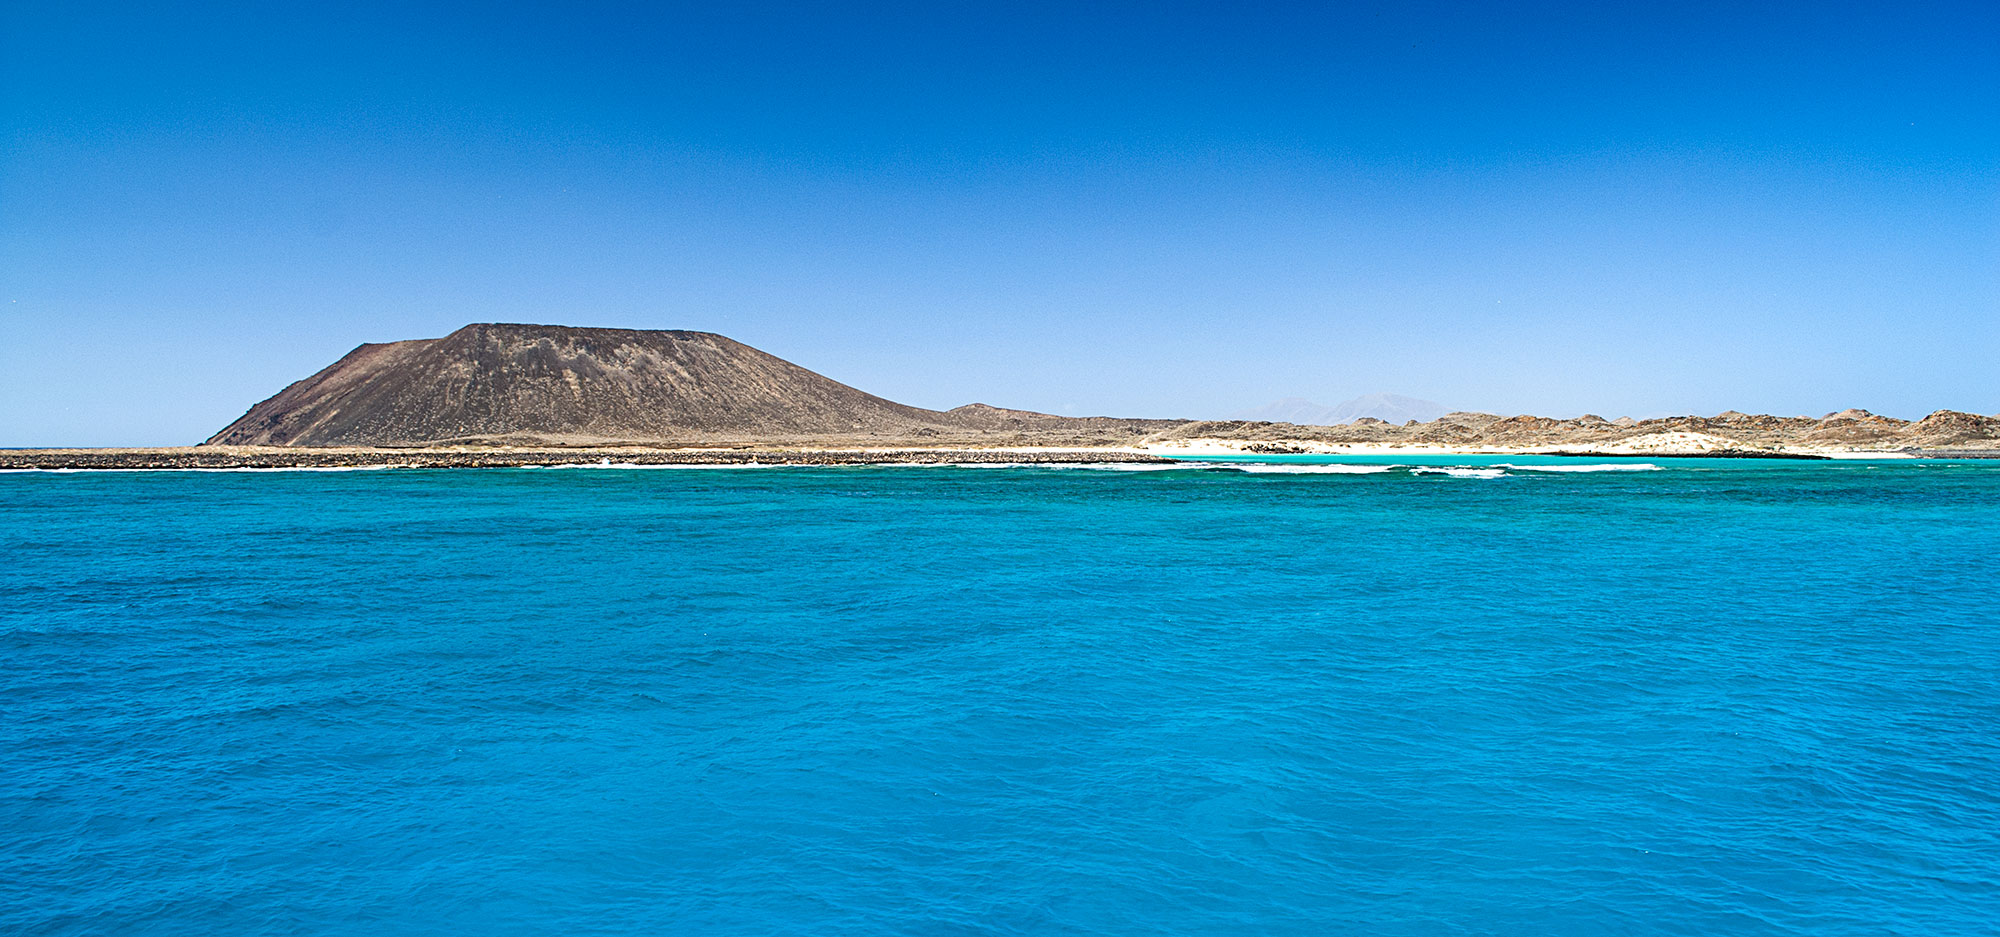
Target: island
(496,394)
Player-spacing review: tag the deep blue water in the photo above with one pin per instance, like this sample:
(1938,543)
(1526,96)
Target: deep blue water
(1717,698)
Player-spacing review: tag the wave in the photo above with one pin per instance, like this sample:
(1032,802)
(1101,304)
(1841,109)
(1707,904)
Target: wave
(1261,468)
(1587,467)
(1461,471)
(1089,466)
(292,468)
(1189,465)
(1073,466)
(661,465)
(1121,466)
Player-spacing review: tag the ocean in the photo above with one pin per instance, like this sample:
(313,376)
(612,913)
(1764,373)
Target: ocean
(1680,697)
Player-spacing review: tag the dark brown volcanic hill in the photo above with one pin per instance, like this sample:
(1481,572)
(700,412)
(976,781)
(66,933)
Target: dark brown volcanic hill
(546,384)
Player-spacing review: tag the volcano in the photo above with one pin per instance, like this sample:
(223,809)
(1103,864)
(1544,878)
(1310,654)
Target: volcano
(542,385)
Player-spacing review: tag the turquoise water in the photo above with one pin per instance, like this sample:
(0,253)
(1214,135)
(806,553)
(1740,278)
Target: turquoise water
(1710,698)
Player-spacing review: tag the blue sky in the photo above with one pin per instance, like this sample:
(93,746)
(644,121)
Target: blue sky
(1148,209)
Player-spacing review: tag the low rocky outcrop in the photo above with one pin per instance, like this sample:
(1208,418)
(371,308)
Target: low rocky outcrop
(1949,428)
(1855,427)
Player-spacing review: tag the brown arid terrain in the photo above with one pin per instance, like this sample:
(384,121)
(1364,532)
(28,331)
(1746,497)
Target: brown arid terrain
(1847,432)
(507,395)
(540,385)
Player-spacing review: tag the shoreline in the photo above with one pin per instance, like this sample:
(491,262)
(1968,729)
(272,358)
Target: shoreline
(249,457)
(262,457)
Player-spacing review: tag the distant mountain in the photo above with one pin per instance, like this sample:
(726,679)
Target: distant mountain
(1392,408)
(556,385)
(551,383)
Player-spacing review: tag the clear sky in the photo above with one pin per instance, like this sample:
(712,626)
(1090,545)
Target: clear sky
(1146,209)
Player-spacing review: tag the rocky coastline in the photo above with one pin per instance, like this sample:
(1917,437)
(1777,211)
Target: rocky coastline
(220,458)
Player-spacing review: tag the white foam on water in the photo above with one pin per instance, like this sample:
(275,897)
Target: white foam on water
(1587,467)
(1461,471)
(1274,468)
(1120,466)
(290,468)
(1071,466)
(1095,466)
(627,466)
